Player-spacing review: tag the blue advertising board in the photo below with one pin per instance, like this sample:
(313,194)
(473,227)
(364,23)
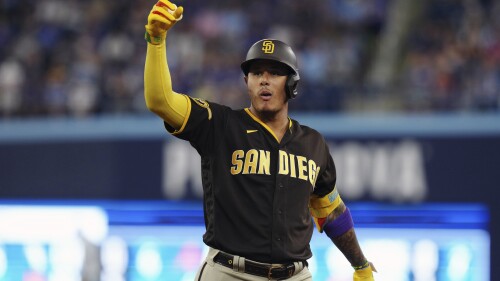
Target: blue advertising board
(159,240)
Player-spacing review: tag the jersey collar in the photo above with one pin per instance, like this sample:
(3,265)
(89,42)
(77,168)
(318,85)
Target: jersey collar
(256,119)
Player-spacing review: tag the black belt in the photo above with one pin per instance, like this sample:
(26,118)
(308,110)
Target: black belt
(272,272)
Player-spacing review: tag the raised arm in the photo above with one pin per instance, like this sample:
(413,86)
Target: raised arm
(158,93)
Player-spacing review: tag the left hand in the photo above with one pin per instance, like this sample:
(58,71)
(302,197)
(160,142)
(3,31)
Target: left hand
(365,274)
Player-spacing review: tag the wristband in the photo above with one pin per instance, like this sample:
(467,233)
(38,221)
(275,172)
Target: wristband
(155,40)
(340,225)
(365,265)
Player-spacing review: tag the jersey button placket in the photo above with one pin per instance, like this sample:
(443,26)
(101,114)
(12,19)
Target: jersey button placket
(279,227)
(279,211)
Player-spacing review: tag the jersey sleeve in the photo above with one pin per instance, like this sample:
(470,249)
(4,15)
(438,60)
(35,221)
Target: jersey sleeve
(327,177)
(203,123)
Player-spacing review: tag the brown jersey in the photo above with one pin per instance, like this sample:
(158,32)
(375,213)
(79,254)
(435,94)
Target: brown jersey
(256,189)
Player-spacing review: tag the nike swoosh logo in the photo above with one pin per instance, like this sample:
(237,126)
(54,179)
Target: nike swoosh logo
(251,131)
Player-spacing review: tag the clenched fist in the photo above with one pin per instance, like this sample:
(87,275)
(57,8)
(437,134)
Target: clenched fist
(161,18)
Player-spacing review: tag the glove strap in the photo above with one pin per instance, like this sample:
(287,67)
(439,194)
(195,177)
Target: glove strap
(359,267)
(155,40)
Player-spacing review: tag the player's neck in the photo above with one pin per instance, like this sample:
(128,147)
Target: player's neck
(278,121)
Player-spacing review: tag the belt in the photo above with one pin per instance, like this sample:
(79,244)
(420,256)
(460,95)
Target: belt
(272,272)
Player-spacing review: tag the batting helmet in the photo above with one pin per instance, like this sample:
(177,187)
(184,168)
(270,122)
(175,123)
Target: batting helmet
(272,49)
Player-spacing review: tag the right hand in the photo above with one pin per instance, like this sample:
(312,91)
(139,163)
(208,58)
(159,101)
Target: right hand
(161,18)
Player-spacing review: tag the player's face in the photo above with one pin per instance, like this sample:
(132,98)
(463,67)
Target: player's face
(266,86)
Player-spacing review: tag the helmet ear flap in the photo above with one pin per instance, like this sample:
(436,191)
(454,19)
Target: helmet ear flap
(291,85)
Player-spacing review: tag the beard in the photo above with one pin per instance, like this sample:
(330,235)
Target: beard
(270,111)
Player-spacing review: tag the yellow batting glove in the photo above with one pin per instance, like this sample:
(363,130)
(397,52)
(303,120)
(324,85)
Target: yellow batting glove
(161,18)
(364,273)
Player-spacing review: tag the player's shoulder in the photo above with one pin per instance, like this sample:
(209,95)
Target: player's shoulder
(204,103)
(209,105)
(304,129)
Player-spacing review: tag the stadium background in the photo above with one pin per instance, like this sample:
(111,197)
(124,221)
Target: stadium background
(407,93)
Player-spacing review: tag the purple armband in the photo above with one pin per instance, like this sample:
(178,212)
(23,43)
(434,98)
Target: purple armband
(340,225)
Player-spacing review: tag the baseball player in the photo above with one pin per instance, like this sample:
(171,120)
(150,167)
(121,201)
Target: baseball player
(264,175)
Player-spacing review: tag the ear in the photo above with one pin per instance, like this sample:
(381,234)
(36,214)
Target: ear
(246,79)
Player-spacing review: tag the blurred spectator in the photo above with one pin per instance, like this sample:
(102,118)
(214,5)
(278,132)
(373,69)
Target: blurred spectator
(12,77)
(80,58)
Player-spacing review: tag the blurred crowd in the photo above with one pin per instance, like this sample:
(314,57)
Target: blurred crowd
(86,57)
(452,62)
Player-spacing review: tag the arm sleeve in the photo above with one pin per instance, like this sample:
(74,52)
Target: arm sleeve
(160,98)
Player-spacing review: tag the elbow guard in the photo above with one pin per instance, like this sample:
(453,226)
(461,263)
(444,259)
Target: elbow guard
(321,207)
